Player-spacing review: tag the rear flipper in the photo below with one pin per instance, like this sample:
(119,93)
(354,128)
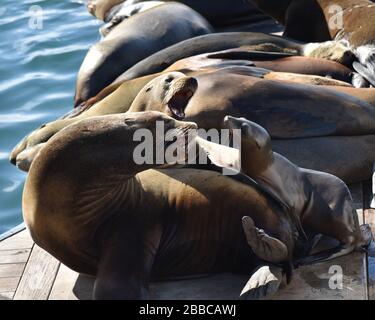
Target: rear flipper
(265,282)
(264,246)
(340,250)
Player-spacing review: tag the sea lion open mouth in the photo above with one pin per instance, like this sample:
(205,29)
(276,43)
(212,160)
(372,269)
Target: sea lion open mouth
(180,98)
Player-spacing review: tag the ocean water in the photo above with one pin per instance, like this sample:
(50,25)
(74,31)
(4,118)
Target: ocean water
(42,45)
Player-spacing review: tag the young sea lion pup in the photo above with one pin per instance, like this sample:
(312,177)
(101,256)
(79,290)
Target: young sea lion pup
(320,202)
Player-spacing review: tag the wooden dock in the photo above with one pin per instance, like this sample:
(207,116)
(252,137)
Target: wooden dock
(28,272)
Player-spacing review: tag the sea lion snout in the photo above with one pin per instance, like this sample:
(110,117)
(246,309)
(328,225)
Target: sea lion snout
(24,160)
(179,94)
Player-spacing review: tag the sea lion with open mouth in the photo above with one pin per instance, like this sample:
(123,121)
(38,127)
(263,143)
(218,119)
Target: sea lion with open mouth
(286,110)
(92,206)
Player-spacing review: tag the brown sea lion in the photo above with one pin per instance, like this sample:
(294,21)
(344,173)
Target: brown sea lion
(270,60)
(320,201)
(92,206)
(288,111)
(348,21)
(133,40)
(285,110)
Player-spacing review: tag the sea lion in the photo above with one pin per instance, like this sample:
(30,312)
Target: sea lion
(222,41)
(285,110)
(288,111)
(244,56)
(347,21)
(320,201)
(278,62)
(127,224)
(133,40)
(222,14)
(120,12)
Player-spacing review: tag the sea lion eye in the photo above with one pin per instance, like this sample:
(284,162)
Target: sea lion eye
(149,89)
(169,79)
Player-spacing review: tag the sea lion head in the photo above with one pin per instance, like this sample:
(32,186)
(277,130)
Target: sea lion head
(99,8)
(28,148)
(169,93)
(256,147)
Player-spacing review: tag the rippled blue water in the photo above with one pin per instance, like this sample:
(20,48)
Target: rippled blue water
(38,69)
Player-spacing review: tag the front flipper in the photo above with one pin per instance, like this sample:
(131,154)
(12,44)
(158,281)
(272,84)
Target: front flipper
(264,246)
(126,262)
(265,282)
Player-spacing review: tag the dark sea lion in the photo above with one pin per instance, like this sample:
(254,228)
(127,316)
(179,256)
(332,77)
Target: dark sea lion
(222,41)
(347,21)
(205,44)
(320,201)
(243,56)
(120,12)
(133,40)
(222,14)
(92,207)
(273,61)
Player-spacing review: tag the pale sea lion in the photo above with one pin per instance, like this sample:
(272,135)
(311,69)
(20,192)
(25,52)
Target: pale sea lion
(347,21)
(92,207)
(133,40)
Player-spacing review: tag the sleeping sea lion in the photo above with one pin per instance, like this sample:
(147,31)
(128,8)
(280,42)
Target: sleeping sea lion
(133,40)
(347,21)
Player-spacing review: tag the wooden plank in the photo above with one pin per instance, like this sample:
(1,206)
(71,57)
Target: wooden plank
(6,295)
(69,285)
(313,282)
(20,240)
(39,275)
(12,232)
(8,284)
(14,256)
(11,270)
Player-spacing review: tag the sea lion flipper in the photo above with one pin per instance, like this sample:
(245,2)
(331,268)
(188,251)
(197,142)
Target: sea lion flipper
(263,283)
(366,71)
(264,246)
